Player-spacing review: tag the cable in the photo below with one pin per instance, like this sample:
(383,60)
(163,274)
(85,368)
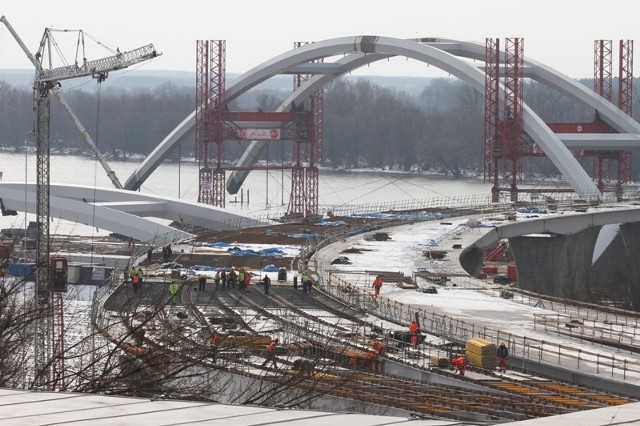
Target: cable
(110,48)
(95,169)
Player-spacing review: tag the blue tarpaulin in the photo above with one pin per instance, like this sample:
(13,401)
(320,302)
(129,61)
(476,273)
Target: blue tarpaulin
(218,244)
(204,268)
(430,243)
(304,236)
(271,251)
(21,269)
(333,223)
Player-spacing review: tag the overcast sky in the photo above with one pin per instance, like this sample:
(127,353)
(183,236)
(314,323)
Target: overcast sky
(559,33)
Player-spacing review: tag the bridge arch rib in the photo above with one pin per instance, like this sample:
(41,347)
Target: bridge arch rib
(362,50)
(128,213)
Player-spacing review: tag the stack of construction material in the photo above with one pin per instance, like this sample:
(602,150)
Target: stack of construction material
(481,353)
(442,362)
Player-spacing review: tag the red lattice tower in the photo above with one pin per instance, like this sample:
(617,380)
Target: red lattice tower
(304,179)
(210,120)
(298,193)
(315,150)
(57,334)
(492,142)
(602,69)
(625,99)
(512,138)
(602,85)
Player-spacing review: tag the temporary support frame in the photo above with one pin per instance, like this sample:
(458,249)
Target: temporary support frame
(504,136)
(492,142)
(625,100)
(213,122)
(513,107)
(210,120)
(602,85)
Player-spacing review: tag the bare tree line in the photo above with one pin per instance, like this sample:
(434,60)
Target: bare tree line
(365,125)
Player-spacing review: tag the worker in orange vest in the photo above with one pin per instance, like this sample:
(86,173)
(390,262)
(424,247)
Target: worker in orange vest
(213,345)
(271,350)
(247,280)
(460,364)
(503,354)
(377,350)
(414,329)
(377,284)
(378,346)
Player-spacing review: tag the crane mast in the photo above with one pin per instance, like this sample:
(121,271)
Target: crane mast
(49,357)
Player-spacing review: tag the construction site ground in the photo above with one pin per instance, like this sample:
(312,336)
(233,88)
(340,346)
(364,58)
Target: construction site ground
(290,234)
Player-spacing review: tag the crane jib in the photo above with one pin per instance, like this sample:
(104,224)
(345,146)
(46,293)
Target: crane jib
(98,66)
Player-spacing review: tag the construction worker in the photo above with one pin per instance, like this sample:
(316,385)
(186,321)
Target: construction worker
(266,281)
(460,364)
(374,354)
(140,274)
(173,291)
(223,278)
(202,283)
(377,284)
(213,345)
(135,280)
(247,280)
(414,329)
(310,284)
(271,350)
(240,278)
(503,355)
(233,277)
(132,272)
(305,282)
(378,346)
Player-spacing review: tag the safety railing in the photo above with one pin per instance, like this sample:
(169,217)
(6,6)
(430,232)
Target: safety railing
(99,316)
(459,331)
(583,309)
(409,209)
(623,333)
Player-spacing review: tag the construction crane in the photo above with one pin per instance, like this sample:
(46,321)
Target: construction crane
(99,70)
(49,352)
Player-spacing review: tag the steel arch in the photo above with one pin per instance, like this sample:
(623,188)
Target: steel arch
(442,53)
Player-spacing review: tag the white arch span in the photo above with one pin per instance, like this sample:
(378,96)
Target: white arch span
(445,54)
(125,212)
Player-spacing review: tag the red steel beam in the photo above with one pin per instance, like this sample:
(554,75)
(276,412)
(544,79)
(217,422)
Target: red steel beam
(596,127)
(268,116)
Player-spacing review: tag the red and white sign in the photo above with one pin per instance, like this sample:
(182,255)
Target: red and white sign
(258,134)
(536,149)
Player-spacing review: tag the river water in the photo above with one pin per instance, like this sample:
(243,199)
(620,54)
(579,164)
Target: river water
(264,192)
